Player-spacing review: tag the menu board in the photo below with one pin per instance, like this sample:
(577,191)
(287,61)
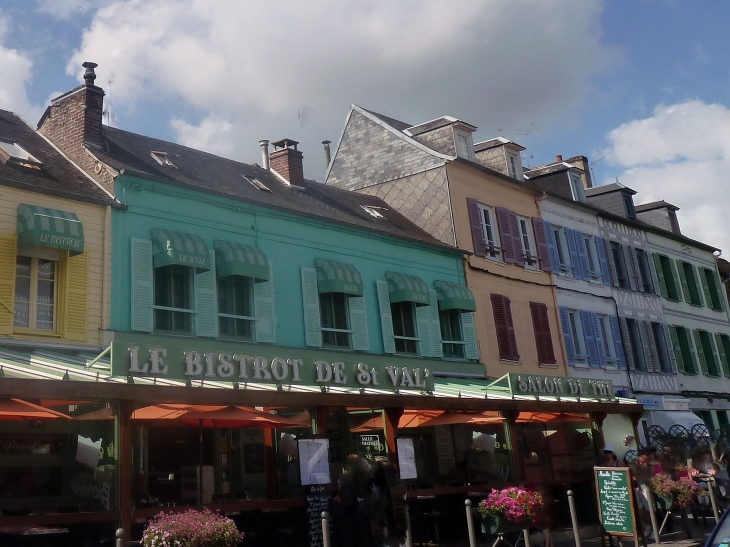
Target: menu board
(445,449)
(406,458)
(615,500)
(317,499)
(314,464)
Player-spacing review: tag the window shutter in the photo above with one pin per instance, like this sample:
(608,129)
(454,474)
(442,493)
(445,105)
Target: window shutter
(359,323)
(659,274)
(263,299)
(624,328)
(580,243)
(590,338)
(684,281)
(8,252)
(676,278)
(206,301)
(679,358)
(705,286)
(612,264)
(471,348)
(573,252)
(637,272)
(477,233)
(596,326)
(700,353)
(618,346)
(142,285)
(505,235)
(310,299)
(552,248)
(543,337)
(516,239)
(76,309)
(654,275)
(723,356)
(386,319)
(699,281)
(629,265)
(541,242)
(506,340)
(567,335)
(602,260)
(719,287)
(692,352)
(646,345)
(435,325)
(423,325)
(716,356)
(653,350)
(671,352)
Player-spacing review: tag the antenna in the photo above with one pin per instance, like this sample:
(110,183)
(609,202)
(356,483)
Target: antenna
(590,166)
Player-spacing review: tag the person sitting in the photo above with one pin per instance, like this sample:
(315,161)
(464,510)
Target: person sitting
(609,457)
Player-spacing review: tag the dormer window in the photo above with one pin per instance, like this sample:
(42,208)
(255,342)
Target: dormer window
(161,158)
(512,165)
(464,148)
(576,187)
(629,206)
(11,152)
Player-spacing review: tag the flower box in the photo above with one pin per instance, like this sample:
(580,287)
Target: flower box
(510,510)
(191,529)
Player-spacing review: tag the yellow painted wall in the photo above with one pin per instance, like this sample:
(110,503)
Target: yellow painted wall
(93,219)
(485,277)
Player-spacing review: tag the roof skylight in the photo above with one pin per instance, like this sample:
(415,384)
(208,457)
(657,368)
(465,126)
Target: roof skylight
(256,183)
(374,211)
(13,152)
(161,158)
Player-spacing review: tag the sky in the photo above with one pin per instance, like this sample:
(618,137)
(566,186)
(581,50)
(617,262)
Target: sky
(641,88)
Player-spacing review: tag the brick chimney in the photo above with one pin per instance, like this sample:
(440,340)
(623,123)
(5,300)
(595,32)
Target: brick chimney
(287,161)
(73,120)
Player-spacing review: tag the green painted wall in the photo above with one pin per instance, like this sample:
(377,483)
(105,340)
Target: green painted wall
(289,241)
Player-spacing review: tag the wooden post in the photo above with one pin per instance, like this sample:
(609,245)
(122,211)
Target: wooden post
(271,467)
(392,417)
(321,417)
(516,462)
(125,466)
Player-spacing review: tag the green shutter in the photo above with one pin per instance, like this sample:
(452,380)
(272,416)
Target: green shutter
(359,323)
(423,324)
(471,349)
(699,281)
(263,298)
(206,301)
(660,275)
(142,285)
(705,287)
(437,348)
(683,280)
(692,352)
(700,353)
(671,349)
(310,299)
(386,319)
(723,356)
(677,280)
(719,365)
(719,288)
(677,349)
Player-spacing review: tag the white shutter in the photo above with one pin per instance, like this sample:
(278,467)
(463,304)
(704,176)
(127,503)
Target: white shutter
(206,301)
(263,298)
(386,318)
(437,348)
(142,285)
(423,324)
(310,301)
(359,323)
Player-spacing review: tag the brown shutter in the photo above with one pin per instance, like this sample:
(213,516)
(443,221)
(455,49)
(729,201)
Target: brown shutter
(543,251)
(506,339)
(543,337)
(516,239)
(505,235)
(477,234)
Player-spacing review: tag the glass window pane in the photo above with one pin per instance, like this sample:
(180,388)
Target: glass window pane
(46,269)
(326,311)
(22,314)
(22,289)
(162,287)
(225,297)
(242,295)
(45,292)
(44,317)
(22,266)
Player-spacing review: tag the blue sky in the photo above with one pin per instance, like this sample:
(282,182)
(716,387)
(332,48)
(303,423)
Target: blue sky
(642,88)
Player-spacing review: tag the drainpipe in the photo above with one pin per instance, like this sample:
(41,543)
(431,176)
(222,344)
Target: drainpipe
(106,268)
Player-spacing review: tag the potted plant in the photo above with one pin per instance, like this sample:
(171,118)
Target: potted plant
(510,509)
(191,529)
(678,492)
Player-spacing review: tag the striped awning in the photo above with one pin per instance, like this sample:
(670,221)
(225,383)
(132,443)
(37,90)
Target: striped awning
(337,277)
(239,259)
(40,226)
(170,247)
(406,288)
(454,296)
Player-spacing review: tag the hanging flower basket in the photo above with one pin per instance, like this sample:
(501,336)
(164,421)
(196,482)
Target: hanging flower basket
(679,493)
(498,525)
(510,510)
(191,529)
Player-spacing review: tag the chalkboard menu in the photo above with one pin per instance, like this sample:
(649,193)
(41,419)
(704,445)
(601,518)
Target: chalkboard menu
(615,500)
(317,498)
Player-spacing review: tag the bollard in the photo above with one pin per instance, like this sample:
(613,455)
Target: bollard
(573,517)
(409,537)
(325,529)
(652,512)
(120,537)
(526,536)
(711,489)
(470,524)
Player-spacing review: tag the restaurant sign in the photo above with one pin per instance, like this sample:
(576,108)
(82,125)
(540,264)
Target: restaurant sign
(560,386)
(178,358)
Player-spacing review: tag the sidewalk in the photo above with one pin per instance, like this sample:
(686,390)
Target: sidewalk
(700,533)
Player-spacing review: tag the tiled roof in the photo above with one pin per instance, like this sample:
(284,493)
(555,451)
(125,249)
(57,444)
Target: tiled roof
(548,169)
(661,204)
(606,188)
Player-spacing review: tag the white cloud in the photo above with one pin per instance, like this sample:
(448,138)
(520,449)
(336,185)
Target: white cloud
(16,69)
(681,154)
(64,9)
(495,63)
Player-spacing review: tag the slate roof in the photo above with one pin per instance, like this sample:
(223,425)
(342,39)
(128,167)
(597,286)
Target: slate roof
(395,124)
(606,188)
(548,169)
(56,176)
(198,170)
(493,143)
(661,204)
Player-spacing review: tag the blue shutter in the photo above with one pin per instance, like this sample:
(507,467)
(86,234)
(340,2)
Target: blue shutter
(646,346)
(423,325)
(263,300)
(629,351)
(310,300)
(567,335)
(386,319)
(629,266)
(580,243)
(590,338)
(619,347)
(359,323)
(552,248)
(471,349)
(206,301)
(601,351)
(435,324)
(142,285)
(570,236)
(602,259)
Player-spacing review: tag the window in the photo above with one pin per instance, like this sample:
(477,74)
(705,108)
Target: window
(489,229)
(576,187)
(161,158)
(707,354)
(667,277)
(576,331)
(173,299)
(657,331)
(256,183)
(334,320)
(606,339)
(404,327)
(512,165)
(463,146)
(235,307)
(593,267)
(14,153)
(526,242)
(683,352)
(561,247)
(451,336)
(374,211)
(35,293)
(505,329)
(644,271)
(543,336)
(629,206)
(723,347)
(637,347)
(687,273)
(713,296)
(622,277)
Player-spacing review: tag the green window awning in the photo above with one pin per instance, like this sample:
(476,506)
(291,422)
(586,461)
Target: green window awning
(454,296)
(337,277)
(170,248)
(239,259)
(40,226)
(407,288)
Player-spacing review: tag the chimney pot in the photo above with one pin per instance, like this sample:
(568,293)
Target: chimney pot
(327,153)
(559,157)
(89,74)
(264,144)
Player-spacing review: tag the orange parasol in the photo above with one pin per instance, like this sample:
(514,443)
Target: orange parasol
(451,418)
(214,416)
(100,414)
(409,418)
(544,417)
(18,409)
